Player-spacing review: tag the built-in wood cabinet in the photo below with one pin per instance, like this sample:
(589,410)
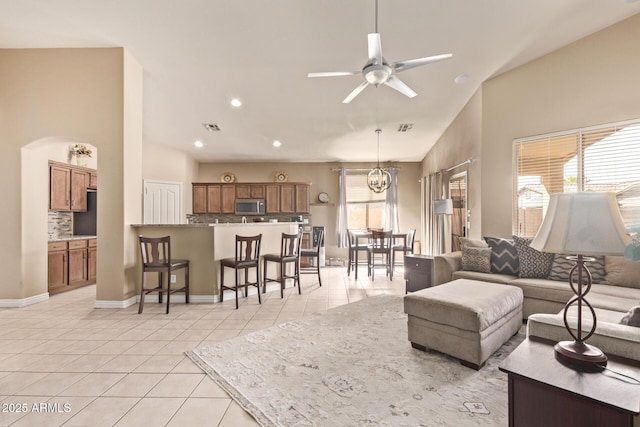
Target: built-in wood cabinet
(68,186)
(279,197)
(72,264)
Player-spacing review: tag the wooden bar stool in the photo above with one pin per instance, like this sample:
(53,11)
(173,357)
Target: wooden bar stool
(156,258)
(313,253)
(289,254)
(354,249)
(406,247)
(247,256)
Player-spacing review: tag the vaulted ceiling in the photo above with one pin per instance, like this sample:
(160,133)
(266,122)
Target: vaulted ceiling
(198,55)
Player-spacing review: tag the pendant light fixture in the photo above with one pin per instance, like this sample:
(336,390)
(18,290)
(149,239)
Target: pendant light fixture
(378,179)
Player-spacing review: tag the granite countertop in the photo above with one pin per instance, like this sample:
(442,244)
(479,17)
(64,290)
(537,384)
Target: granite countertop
(222,224)
(75,237)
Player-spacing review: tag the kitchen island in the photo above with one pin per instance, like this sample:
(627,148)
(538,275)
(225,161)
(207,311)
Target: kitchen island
(206,244)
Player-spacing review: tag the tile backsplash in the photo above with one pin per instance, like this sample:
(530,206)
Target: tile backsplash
(60,224)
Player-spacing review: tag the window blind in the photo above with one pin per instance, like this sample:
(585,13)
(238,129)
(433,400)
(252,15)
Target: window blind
(358,191)
(602,158)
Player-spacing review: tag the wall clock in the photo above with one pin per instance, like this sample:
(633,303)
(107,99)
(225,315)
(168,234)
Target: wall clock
(281,176)
(228,177)
(323,197)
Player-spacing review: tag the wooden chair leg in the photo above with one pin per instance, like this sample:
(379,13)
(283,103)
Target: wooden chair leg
(221,283)
(236,270)
(282,279)
(186,284)
(168,288)
(319,278)
(264,274)
(160,279)
(258,282)
(142,293)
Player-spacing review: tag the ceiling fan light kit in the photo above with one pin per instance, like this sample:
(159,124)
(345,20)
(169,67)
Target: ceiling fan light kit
(377,70)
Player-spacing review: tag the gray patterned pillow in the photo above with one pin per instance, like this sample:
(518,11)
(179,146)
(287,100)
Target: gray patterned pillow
(562,266)
(476,259)
(504,256)
(533,263)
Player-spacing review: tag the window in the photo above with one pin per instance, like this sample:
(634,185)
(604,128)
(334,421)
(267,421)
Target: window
(602,158)
(365,209)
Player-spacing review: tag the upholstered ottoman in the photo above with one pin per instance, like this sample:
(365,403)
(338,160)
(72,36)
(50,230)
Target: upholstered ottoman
(466,319)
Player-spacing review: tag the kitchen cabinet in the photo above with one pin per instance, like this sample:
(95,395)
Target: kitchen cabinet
(57,271)
(287,198)
(199,198)
(302,198)
(72,264)
(68,186)
(272,200)
(228,198)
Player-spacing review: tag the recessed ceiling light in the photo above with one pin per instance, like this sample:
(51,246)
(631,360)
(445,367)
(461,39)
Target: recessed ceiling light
(277,143)
(236,102)
(462,79)
(198,144)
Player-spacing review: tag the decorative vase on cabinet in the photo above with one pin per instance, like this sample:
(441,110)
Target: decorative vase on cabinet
(81,160)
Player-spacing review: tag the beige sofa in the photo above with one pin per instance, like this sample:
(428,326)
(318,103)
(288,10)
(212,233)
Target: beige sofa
(544,302)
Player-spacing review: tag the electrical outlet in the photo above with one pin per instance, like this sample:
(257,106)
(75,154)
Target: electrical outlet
(173,278)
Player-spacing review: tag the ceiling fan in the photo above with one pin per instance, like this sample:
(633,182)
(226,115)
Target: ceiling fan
(377,71)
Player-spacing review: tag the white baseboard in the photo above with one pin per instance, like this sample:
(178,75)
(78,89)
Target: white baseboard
(17,303)
(179,298)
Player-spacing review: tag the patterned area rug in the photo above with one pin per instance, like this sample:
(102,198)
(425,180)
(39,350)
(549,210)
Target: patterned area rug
(353,366)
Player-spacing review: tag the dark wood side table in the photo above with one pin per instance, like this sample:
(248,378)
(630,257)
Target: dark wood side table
(543,392)
(418,272)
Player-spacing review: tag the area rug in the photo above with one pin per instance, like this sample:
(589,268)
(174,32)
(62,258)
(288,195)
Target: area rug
(353,366)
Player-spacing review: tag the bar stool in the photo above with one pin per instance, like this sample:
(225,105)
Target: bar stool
(289,253)
(156,258)
(380,247)
(247,256)
(313,253)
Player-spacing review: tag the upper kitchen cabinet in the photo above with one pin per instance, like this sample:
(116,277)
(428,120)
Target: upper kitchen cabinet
(302,198)
(68,187)
(287,198)
(250,191)
(199,198)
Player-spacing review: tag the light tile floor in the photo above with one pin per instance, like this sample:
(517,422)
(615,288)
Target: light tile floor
(62,362)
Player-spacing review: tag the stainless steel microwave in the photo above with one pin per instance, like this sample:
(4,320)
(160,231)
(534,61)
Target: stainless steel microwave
(250,207)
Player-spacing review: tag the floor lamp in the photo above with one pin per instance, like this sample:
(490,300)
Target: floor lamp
(441,208)
(584,224)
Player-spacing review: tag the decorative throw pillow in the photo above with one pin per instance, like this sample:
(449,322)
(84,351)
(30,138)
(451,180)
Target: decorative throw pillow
(632,318)
(465,241)
(476,259)
(504,256)
(533,263)
(561,267)
(621,272)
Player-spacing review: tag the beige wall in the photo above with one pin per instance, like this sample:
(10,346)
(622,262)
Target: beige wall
(460,142)
(590,82)
(162,163)
(65,93)
(322,179)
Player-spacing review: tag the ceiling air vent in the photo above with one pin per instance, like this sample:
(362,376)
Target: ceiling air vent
(211,127)
(405,127)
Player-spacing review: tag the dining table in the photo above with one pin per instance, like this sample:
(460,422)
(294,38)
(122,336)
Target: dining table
(359,235)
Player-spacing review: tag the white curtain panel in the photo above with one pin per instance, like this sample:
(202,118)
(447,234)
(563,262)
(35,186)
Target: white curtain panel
(391,221)
(343,237)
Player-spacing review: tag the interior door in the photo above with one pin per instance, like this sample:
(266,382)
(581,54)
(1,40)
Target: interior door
(162,202)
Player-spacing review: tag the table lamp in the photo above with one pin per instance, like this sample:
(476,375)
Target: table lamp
(584,224)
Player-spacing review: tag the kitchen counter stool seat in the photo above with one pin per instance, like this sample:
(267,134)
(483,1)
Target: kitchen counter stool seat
(247,257)
(289,254)
(156,258)
(313,253)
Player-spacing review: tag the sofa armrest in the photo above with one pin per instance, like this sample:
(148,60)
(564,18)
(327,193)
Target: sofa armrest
(445,265)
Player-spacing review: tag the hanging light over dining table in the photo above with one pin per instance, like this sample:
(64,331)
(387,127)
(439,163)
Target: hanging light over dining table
(378,179)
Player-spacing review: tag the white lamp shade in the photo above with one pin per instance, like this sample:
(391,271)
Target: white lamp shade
(584,223)
(443,207)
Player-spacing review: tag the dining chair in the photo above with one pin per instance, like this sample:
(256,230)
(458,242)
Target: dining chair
(313,253)
(289,254)
(405,247)
(355,247)
(247,257)
(379,249)
(156,258)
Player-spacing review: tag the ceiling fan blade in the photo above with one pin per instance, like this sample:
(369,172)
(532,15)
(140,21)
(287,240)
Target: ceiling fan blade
(355,92)
(412,63)
(400,86)
(333,74)
(375,48)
